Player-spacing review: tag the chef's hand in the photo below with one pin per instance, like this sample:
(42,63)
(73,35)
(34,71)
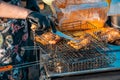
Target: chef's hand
(41,21)
(32,5)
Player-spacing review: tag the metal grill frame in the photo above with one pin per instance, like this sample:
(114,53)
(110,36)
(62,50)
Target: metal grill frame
(53,49)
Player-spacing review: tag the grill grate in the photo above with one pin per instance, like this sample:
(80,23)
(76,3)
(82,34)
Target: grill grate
(64,59)
(61,58)
(77,25)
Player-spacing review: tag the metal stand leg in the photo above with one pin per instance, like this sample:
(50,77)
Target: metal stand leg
(35,45)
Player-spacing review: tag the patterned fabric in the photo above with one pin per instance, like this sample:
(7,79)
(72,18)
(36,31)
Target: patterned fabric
(13,34)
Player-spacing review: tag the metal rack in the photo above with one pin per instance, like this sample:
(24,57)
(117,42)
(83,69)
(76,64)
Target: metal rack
(77,25)
(64,60)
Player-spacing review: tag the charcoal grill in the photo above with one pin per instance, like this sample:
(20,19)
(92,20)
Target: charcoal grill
(63,60)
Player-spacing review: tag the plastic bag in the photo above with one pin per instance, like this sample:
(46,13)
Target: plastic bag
(64,3)
(114,8)
(83,16)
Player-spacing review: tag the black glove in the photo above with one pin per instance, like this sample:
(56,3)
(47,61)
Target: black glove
(40,20)
(32,5)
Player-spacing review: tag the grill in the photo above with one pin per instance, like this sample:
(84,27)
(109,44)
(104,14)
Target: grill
(79,23)
(64,60)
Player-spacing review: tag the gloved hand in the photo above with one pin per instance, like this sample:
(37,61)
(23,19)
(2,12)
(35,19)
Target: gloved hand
(42,22)
(32,5)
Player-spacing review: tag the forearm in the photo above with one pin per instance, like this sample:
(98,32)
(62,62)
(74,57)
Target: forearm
(11,11)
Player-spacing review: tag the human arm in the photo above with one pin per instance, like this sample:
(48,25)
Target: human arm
(11,11)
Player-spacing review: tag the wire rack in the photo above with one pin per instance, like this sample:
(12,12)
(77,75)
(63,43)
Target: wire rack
(77,25)
(65,59)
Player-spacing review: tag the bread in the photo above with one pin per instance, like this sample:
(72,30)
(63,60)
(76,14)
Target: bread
(47,38)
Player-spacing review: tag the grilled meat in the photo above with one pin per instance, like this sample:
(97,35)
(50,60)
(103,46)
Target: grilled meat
(83,42)
(110,34)
(106,34)
(47,38)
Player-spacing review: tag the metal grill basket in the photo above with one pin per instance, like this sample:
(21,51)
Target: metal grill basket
(61,58)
